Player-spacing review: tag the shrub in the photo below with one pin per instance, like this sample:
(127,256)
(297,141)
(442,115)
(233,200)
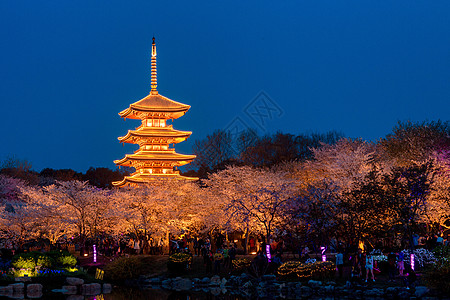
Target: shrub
(125,268)
(38,264)
(68,261)
(318,270)
(179,262)
(288,270)
(438,276)
(23,263)
(241,265)
(442,251)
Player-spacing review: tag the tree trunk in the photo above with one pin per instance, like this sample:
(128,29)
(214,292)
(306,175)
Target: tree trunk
(246,241)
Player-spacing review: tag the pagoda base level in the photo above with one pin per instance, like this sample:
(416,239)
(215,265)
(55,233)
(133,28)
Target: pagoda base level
(138,179)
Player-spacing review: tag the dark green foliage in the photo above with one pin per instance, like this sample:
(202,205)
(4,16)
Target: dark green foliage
(414,142)
(438,276)
(442,251)
(129,268)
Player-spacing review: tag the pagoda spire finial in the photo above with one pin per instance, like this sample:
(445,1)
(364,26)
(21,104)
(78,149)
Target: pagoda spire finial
(154,83)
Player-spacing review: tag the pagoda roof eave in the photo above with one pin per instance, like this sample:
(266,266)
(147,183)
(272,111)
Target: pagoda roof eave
(178,135)
(179,159)
(138,179)
(155,103)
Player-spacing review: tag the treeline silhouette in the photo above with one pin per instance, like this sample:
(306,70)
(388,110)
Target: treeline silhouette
(99,177)
(222,148)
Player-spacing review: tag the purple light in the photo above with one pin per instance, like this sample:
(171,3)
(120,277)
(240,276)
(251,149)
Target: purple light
(324,257)
(269,257)
(95,253)
(412,260)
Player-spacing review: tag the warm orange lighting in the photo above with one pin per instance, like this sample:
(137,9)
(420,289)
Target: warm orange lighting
(154,159)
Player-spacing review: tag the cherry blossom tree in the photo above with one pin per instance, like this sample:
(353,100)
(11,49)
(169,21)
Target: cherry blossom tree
(82,206)
(257,198)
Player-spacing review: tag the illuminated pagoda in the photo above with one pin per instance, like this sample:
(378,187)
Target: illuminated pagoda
(154,158)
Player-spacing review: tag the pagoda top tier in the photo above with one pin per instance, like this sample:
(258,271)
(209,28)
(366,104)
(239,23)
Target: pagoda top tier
(155,105)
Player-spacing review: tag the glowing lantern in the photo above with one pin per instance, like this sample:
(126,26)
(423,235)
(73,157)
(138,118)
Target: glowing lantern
(269,257)
(324,257)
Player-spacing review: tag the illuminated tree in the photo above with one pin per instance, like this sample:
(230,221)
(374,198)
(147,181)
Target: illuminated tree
(257,198)
(344,164)
(83,206)
(438,202)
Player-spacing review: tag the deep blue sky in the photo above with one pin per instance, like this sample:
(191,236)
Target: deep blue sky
(69,67)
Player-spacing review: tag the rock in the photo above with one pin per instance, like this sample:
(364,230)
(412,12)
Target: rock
(403,295)
(196,281)
(75,297)
(374,293)
(106,288)
(181,284)
(70,289)
(348,284)
(166,283)
(314,283)
(74,281)
(215,290)
(269,277)
(34,290)
(6,290)
(215,280)
(59,291)
(392,290)
(155,280)
(223,282)
(18,288)
(22,279)
(91,289)
(206,280)
(328,289)
(331,283)
(421,291)
(247,285)
(305,291)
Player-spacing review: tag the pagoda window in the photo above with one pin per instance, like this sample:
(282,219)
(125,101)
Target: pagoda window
(155,123)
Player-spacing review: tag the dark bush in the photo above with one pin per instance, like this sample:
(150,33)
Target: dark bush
(179,263)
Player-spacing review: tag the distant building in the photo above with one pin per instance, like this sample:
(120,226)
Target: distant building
(155,158)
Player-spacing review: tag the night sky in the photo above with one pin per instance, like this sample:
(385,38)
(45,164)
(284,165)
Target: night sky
(69,67)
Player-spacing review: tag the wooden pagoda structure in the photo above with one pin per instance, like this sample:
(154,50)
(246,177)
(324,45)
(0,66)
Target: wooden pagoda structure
(154,158)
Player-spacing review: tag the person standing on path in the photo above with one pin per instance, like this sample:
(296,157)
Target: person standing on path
(340,263)
(369,266)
